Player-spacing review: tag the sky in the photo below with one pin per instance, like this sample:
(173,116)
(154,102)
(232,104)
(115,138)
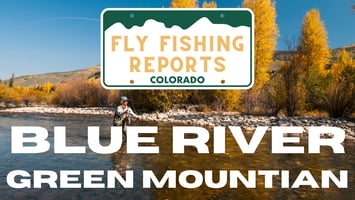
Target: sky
(43,36)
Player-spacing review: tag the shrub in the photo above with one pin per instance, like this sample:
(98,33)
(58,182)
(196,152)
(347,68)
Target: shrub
(339,97)
(272,97)
(81,93)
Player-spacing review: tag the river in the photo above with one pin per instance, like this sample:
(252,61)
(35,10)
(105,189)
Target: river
(233,159)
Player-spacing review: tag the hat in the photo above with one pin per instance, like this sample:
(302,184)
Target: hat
(124,98)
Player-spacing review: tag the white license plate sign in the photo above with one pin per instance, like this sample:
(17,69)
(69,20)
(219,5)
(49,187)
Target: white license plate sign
(177,48)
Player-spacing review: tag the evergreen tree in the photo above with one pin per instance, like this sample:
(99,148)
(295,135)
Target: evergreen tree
(11,81)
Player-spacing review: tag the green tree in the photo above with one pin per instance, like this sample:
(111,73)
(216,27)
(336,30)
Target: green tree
(11,81)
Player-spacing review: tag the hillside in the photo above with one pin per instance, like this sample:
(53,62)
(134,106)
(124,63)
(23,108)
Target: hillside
(57,77)
(286,54)
(350,48)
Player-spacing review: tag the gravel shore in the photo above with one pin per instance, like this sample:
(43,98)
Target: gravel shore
(247,122)
(61,110)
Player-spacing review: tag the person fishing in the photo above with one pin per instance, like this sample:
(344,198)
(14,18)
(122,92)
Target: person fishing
(123,113)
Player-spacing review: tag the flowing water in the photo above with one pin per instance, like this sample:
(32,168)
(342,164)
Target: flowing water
(233,159)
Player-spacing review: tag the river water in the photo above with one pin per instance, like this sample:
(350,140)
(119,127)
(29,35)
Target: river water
(233,159)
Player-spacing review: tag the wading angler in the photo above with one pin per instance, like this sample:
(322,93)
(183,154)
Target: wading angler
(123,114)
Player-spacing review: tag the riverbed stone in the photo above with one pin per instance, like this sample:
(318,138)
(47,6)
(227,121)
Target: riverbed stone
(2,105)
(248,122)
(10,105)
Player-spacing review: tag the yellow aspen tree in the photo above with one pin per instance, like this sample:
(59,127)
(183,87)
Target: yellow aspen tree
(338,97)
(313,46)
(230,99)
(184,4)
(344,59)
(211,4)
(313,58)
(47,87)
(266,33)
(227,100)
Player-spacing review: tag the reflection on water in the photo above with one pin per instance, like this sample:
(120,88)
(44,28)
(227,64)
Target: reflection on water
(233,159)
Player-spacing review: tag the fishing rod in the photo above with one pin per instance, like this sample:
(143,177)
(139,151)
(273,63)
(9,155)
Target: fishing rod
(132,105)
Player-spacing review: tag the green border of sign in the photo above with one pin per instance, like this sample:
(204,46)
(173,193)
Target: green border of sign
(129,17)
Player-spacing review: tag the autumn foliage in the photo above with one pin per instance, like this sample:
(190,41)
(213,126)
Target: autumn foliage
(83,93)
(211,4)
(313,46)
(338,95)
(311,79)
(266,33)
(184,4)
(17,95)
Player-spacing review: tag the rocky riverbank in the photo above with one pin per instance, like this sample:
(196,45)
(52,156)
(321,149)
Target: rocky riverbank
(247,122)
(61,110)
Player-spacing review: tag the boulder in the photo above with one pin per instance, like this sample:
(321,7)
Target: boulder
(2,105)
(10,105)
